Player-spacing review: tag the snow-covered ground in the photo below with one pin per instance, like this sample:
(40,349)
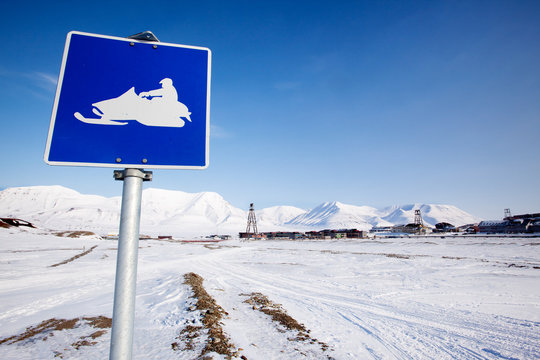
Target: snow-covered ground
(399,298)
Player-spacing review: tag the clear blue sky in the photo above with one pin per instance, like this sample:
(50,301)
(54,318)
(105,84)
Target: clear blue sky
(364,102)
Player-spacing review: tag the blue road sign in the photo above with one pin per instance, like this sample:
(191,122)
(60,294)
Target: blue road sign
(132,104)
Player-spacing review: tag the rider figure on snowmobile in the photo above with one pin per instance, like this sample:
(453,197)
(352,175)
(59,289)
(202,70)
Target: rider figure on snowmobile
(167,94)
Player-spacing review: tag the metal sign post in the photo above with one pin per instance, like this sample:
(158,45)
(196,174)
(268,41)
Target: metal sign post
(125,283)
(126,262)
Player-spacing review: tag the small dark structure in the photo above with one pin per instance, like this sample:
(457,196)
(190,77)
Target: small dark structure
(444,227)
(534,226)
(9,222)
(468,228)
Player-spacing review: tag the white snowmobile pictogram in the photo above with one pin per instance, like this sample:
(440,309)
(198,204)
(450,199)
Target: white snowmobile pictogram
(158,107)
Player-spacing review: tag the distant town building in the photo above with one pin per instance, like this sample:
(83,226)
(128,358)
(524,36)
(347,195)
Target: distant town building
(381,229)
(337,234)
(246,235)
(503,226)
(322,234)
(411,229)
(511,224)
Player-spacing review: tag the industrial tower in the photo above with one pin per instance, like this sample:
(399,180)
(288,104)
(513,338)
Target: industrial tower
(418,218)
(252,221)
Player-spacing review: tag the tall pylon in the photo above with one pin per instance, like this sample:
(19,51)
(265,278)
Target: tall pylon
(252,221)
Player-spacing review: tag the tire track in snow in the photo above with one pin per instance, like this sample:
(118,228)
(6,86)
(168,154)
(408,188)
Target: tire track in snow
(422,332)
(254,331)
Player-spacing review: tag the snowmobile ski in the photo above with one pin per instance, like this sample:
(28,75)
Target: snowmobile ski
(100,121)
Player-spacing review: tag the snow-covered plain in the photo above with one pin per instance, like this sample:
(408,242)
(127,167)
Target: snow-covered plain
(383,298)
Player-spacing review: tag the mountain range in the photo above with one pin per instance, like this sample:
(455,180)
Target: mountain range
(168,212)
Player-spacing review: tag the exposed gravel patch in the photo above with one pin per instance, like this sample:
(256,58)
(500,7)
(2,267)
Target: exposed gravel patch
(260,302)
(211,315)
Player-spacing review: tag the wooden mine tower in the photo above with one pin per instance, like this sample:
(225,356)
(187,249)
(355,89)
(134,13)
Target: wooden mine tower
(252,221)
(418,218)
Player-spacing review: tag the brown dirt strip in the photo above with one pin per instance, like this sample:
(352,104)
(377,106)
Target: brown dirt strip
(46,329)
(75,257)
(211,315)
(261,303)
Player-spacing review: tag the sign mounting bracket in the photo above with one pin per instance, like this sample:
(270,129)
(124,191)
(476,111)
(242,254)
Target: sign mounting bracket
(144,36)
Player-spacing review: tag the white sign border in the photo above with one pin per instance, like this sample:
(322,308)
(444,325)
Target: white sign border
(122,165)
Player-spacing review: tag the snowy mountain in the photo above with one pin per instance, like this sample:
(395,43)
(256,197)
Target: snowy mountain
(176,212)
(278,215)
(162,211)
(431,214)
(335,215)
